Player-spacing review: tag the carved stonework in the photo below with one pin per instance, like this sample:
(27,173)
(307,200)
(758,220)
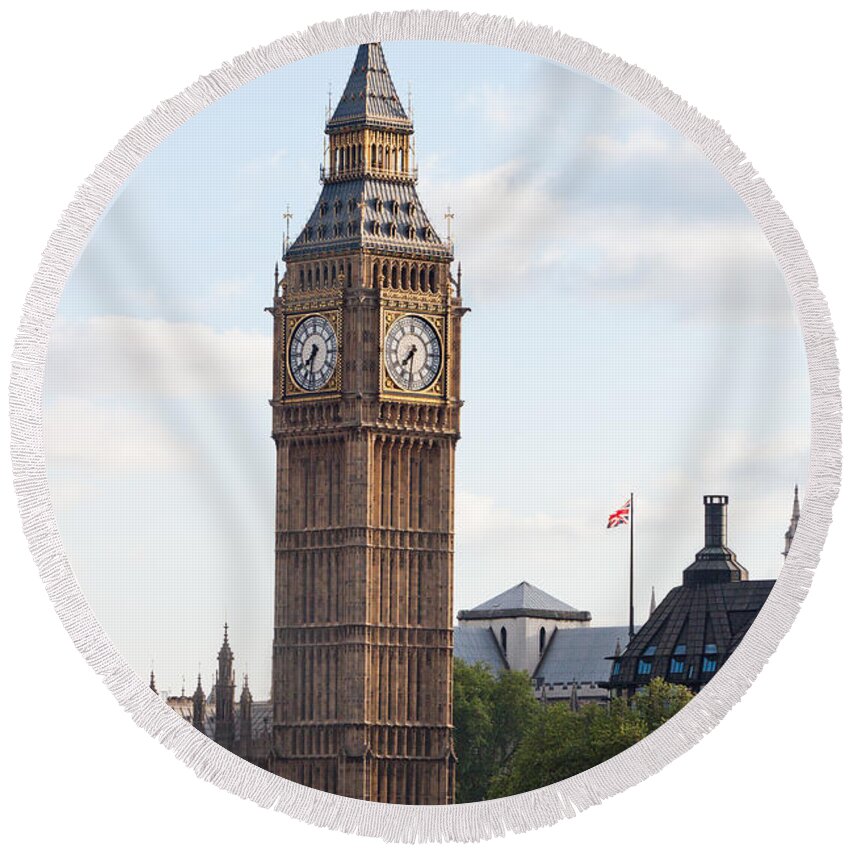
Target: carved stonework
(362,663)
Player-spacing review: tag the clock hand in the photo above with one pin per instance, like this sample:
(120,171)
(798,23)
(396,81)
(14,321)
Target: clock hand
(408,361)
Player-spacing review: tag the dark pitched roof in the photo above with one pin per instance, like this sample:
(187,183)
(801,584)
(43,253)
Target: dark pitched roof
(580,655)
(694,622)
(524,600)
(474,644)
(369,213)
(370,97)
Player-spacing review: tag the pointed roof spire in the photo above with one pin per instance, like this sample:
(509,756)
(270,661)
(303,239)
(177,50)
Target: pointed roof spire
(225,652)
(652,604)
(153,684)
(246,691)
(795,519)
(370,97)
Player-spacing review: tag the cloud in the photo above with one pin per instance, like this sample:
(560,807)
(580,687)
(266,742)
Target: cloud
(87,438)
(105,356)
(607,200)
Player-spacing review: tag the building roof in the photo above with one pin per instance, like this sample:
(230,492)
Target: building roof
(580,655)
(474,644)
(524,600)
(370,97)
(367,212)
(694,622)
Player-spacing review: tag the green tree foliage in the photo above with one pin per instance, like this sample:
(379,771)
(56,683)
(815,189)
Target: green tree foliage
(659,701)
(492,714)
(508,743)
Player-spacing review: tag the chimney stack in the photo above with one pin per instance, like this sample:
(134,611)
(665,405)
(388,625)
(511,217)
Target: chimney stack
(715,520)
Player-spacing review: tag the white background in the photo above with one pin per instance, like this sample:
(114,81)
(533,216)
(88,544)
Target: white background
(76,78)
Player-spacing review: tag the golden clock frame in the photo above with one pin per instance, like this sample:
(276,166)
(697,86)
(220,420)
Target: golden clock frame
(291,389)
(437,392)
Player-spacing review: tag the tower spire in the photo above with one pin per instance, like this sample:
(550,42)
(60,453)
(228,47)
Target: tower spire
(652,602)
(225,688)
(795,519)
(153,684)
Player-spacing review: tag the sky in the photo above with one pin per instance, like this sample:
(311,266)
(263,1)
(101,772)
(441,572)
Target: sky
(660,354)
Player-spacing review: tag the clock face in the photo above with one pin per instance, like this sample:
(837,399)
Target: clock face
(312,353)
(412,353)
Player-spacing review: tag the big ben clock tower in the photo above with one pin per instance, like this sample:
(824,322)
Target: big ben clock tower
(366,412)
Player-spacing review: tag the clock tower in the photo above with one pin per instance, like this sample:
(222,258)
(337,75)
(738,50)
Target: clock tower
(365,414)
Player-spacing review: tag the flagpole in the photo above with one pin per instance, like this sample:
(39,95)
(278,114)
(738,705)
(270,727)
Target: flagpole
(631,566)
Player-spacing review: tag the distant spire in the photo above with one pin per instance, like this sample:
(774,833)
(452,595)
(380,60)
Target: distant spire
(199,708)
(153,684)
(459,275)
(652,602)
(795,519)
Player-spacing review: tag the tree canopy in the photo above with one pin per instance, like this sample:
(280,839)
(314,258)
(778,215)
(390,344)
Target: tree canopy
(507,742)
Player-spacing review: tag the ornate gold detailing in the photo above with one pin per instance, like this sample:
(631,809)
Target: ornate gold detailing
(436,392)
(290,389)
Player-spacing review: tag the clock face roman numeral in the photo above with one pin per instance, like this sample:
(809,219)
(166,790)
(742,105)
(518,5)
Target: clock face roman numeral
(412,353)
(313,353)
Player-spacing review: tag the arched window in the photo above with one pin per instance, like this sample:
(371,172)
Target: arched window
(542,639)
(503,638)
(374,156)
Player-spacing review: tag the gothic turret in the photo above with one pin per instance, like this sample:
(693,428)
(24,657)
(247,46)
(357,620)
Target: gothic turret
(792,528)
(246,735)
(199,708)
(225,729)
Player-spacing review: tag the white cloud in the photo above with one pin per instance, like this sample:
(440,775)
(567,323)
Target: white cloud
(81,438)
(122,356)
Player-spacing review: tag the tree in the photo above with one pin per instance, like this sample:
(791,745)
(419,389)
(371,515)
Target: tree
(492,714)
(560,742)
(659,701)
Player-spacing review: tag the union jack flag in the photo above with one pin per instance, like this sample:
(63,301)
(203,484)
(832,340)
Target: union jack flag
(621,516)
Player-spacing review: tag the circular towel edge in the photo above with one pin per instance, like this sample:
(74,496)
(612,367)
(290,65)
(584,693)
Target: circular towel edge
(472,821)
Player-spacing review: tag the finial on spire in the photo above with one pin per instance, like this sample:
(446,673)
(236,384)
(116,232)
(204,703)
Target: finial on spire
(449,217)
(795,519)
(287,217)
(153,683)
(459,275)
(652,602)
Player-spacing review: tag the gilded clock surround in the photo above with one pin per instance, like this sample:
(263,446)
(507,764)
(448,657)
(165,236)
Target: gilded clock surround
(435,392)
(291,389)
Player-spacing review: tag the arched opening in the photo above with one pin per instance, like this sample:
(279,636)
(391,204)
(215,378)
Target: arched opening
(542,640)
(503,639)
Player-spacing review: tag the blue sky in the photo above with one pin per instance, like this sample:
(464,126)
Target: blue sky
(662,353)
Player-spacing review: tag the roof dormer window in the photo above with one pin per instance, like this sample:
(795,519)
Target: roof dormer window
(379,205)
(337,206)
(323,209)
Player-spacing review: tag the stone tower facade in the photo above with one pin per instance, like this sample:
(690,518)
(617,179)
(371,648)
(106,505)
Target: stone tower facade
(365,414)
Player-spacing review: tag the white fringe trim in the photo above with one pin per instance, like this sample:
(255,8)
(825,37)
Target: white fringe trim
(474,821)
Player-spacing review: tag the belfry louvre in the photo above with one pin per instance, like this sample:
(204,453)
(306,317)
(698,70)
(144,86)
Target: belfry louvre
(365,414)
